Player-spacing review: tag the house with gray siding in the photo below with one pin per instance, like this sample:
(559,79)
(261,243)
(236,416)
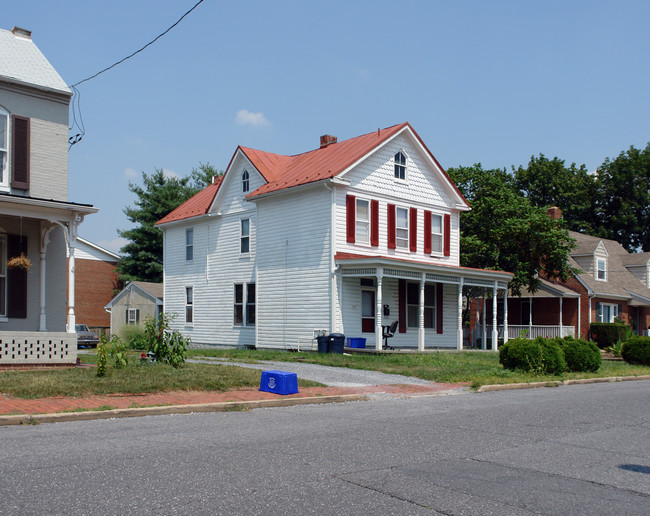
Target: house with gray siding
(348,238)
(38,225)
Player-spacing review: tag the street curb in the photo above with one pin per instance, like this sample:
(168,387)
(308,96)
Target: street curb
(227,406)
(558,383)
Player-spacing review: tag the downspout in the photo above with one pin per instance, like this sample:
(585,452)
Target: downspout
(333,269)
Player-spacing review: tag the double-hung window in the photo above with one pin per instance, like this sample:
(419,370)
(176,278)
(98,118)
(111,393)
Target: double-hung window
(413,305)
(4,147)
(189,244)
(3,275)
(189,304)
(244,304)
(132,316)
(362,226)
(400,165)
(436,234)
(402,228)
(244,236)
(601,269)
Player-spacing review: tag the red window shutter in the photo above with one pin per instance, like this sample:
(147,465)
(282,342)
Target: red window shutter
(401,305)
(391,227)
(374,223)
(438,307)
(16,279)
(413,229)
(447,234)
(350,217)
(20,152)
(427,232)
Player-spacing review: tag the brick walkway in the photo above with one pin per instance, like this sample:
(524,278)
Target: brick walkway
(11,405)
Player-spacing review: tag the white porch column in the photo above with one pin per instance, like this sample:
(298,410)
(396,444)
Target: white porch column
(579,303)
(495,329)
(45,236)
(530,317)
(421,332)
(484,338)
(505,315)
(459,330)
(560,317)
(378,311)
(72,243)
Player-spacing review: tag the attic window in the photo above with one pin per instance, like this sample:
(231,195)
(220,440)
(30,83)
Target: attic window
(400,166)
(601,269)
(245,181)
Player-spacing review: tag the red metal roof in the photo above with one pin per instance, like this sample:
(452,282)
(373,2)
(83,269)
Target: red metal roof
(281,172)
(197,205)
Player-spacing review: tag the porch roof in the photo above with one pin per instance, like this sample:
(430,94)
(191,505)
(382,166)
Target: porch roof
(548,289)
(362,265)
(48,209)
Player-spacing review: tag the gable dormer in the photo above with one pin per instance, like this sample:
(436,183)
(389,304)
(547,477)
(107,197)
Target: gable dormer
(601,262)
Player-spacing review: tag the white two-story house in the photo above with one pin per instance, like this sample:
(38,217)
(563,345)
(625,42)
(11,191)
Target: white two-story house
(350,237)
(37,222)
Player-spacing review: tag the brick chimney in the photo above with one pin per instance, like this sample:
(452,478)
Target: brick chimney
(326,139)
(554,212)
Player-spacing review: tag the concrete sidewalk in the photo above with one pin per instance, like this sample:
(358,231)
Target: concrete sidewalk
(28,411)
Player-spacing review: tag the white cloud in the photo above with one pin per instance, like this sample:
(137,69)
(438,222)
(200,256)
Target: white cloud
(129,173)
(245,117)
(113,245)
(170,173)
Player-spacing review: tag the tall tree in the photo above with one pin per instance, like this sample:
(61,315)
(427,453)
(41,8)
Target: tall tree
(505,231)
(142,255)
(202,176)
(623,205)
(547,183)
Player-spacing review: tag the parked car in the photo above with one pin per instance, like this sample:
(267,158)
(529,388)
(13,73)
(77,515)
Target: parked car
(85,338)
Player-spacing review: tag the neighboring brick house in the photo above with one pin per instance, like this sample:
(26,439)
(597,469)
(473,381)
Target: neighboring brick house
(36,218)
(96,282)
(612,284)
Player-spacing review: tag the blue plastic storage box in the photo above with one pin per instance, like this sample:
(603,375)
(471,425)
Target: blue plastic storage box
(279,382)
(356,342)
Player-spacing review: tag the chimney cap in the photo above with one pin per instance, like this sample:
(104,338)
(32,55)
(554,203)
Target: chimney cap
(22,33)
(554,212)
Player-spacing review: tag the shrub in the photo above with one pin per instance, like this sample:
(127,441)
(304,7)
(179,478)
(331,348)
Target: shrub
(118,352)
(102,357)
(167,345)
(134,336)
(580,355)
(539,356)
(636,350)
(606,334)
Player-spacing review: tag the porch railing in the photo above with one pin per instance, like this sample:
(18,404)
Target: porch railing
(532,332)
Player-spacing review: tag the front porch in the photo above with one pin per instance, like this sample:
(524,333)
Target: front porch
(426,301)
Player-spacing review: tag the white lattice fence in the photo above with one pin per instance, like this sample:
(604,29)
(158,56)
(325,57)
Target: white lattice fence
(37,348)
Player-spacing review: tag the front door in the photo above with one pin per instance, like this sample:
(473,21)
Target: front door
(368,311)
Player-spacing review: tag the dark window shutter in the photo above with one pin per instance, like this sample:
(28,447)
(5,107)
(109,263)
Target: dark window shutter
(16,279)
(427,232)
(413,229)
(20,153)
(439,307)
(447,234)
(374,223)
(126,316)
(350,217)
(401,305)
(137,315)
(391,227)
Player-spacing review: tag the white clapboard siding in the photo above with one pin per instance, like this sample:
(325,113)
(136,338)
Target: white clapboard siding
(231,197)
(293,266)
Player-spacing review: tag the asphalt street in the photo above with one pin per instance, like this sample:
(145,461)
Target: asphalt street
(581,449)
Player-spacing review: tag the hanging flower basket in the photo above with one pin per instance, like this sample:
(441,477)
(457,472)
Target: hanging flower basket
(19,262)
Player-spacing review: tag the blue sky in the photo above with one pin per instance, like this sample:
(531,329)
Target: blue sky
(480,81)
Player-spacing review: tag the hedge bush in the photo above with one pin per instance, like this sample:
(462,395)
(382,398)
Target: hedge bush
(636,350)
(606,334)
(539,356)
(580,355)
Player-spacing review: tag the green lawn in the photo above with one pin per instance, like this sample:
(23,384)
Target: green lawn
(476,368)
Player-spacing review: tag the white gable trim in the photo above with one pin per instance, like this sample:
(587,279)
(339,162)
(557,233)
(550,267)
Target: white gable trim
(461,204)
(234,163)
(132,286)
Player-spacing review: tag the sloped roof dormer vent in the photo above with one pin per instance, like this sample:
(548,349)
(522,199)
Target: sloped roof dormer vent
(326,140)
